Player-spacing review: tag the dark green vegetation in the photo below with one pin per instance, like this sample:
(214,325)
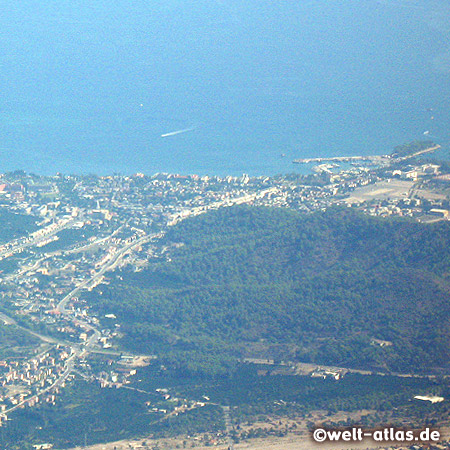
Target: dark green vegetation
(258,389)
(275,283)
(411,148)
(10,264)
(84,411)
(67,238)
(15,225)
(15,342)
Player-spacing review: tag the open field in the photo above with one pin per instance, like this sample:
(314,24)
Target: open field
(297,438)
(290,442)
(383,190)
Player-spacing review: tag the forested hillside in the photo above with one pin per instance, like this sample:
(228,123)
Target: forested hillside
(15,225)
(327,287)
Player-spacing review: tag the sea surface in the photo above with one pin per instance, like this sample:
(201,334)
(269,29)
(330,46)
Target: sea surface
(90,86)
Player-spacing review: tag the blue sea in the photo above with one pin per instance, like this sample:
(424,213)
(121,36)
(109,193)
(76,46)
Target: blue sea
(89,86)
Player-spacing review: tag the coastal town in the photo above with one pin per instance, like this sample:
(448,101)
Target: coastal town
(79,229)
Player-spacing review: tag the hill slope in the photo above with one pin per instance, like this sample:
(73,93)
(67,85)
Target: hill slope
(276,283)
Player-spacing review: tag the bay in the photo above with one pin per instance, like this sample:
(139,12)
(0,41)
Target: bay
(92,86)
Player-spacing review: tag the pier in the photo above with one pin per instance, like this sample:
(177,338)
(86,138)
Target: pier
(340,159)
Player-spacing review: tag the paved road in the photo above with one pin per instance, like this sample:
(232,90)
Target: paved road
(228,426)
(111,265)
(67,371)
(51,340)
(77,350)
(18,246)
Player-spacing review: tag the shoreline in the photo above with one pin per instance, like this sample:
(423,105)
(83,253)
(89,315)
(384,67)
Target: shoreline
(372,158)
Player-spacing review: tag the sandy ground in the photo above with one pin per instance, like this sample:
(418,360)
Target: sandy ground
(429,195)
(272,443)
(292,441)
(394,189)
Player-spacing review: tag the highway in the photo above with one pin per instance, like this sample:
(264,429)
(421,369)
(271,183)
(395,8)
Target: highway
(19,245)
(70,363)
(78,351)
(91,245)
(10,321)
(111,265)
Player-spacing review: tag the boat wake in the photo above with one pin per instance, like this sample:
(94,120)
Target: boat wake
(174,133)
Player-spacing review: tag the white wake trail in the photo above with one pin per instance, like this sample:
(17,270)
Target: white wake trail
(174,133)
